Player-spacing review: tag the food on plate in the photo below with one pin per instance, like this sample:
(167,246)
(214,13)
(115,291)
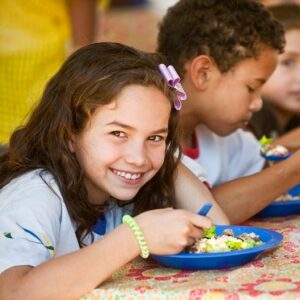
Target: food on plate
(225,242)
(277,150)
(268,150)
(287,197)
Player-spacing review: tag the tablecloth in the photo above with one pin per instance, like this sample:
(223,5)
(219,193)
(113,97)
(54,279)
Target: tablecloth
(273,275)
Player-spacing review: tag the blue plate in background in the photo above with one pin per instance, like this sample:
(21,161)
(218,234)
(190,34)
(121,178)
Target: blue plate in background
(275,157)
(280,209)
(221,260)
(295,191)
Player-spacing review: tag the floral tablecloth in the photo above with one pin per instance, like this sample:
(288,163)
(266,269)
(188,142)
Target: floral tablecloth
(273,275)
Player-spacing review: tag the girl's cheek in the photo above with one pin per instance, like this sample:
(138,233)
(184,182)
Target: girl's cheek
(158,157)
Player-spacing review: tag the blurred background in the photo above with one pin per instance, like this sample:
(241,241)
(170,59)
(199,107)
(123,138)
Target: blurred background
(36,36)
(133,22)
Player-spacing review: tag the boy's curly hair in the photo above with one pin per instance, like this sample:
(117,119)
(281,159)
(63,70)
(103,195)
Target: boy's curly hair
(226,30)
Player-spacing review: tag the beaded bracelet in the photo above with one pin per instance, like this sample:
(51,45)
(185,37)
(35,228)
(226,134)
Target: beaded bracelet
(138,234)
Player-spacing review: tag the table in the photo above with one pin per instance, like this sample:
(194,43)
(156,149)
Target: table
(273,275)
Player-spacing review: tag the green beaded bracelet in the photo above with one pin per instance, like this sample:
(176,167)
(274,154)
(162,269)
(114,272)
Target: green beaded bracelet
(138,234)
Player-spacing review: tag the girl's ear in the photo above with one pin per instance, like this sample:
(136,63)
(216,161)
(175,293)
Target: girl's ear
(71,144)
(201,68)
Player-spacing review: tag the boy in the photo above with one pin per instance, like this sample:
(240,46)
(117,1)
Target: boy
(224,52)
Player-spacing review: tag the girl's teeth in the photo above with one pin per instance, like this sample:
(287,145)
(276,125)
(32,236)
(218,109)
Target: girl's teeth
(127,175)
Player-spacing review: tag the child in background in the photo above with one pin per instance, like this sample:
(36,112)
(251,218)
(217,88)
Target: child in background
(105,129)
(224,52)
(281,93)
(35,38)
(276,2)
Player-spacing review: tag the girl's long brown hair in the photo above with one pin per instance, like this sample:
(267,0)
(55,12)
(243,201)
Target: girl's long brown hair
(92,76)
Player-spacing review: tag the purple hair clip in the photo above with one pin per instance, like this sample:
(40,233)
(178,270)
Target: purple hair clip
(173,80)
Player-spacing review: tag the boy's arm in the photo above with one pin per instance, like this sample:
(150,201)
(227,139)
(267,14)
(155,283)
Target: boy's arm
(191,194)
(83,18)
(242,198)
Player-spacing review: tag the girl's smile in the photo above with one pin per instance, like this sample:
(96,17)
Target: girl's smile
(128,175)
(129,178)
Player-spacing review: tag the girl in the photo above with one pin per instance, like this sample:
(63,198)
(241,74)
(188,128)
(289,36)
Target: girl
(105,129)
(280,113)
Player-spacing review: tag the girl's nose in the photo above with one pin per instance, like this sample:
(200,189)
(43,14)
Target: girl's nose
(136,154)
(256,104)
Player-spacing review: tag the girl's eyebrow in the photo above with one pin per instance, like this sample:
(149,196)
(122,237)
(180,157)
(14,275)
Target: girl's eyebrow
(290,52)
(162,130)
(261,80)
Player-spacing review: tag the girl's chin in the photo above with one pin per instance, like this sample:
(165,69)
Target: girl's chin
(123,197)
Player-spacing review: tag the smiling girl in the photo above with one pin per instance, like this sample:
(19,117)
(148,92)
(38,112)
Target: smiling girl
(101,144)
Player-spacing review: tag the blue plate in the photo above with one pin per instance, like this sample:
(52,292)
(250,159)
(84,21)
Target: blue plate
(221,260)
(276,157)
(295,191)
(280,209)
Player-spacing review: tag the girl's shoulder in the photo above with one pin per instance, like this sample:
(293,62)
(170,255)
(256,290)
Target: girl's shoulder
(34,222)
(31,179)
(31,188)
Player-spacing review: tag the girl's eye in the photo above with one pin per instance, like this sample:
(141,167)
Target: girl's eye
(250,89)
(288,62)
(118,133)
(156,138)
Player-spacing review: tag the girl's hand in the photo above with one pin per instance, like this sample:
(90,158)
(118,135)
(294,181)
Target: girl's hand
(169,231)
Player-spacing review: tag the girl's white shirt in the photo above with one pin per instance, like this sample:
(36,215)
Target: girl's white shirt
(35,224)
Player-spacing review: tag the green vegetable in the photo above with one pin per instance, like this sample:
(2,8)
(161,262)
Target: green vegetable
(249,244)
(209,248)
(265,141)
(234,245)
(210,232)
